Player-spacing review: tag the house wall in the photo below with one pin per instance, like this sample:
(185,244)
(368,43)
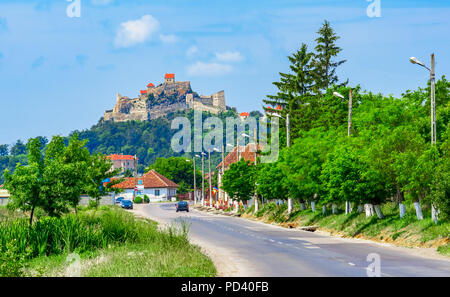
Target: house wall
(164,194)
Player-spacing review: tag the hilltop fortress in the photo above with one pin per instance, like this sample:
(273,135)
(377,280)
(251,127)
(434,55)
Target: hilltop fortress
(170,96)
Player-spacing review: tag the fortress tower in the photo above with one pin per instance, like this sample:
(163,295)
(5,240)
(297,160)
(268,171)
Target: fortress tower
(169,78)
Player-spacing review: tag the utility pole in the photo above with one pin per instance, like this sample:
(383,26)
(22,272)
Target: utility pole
(288,144)
(203,179)
(348,206)
(221,175)
(195,184)
(256,155)
(433,99)
(209,177)
(414,60)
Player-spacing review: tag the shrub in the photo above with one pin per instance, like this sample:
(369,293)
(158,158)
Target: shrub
(146,199)
(138,200)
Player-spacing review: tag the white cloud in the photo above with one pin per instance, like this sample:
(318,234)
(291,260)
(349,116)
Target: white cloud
(168,38)
(229,56)
(192,51)
(209,69)
(136,31)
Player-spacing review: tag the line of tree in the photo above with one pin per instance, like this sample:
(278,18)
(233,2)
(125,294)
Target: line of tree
(388,157)
(56,175)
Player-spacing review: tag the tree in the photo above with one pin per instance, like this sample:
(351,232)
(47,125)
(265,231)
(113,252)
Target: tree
(326,50)
(19,148)
(239,180)
(294,89)
(100,180)
(271,181)
(4,150)
(24,185)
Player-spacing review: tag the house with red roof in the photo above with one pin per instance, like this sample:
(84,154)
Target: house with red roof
(123,162)
(156,186)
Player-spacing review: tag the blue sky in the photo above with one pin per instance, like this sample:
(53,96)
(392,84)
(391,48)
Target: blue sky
(59,74)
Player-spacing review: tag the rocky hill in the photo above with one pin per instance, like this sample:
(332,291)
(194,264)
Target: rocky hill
(170,96)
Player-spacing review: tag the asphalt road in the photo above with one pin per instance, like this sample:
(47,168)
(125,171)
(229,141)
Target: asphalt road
(258,249)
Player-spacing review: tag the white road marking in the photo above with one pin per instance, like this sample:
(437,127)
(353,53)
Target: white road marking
(351,264)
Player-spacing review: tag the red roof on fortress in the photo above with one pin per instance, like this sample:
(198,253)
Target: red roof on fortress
(150,85)
(279,107)
(245,114)
(117,157)
(170,75)
(143,91)
(151,179)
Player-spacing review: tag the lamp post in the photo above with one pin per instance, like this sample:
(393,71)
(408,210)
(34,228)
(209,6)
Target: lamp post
(209,179)
(256,151)
(348,207)
(203,178)
(414,60)
(219,175)
(288,144)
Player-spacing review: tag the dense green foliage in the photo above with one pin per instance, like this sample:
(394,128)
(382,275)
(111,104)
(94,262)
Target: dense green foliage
(239,180)
(56,176)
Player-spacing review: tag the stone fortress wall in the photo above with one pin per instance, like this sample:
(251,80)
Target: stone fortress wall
(127,109)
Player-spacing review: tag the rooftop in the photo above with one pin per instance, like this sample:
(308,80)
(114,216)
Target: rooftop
(170,75)
(117,157)
(151,179)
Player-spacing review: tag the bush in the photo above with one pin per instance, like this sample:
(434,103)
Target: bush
(146,199)
(93,204)
(138,200)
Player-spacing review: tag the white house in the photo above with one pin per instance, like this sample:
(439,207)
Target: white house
(156,186)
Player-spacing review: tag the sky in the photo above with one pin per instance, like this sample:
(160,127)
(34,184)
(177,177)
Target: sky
(60,72)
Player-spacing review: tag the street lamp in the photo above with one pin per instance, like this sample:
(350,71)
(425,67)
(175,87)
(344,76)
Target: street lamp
(209,178)
(256,150)
(288,144)
(203,178)
(414,60)
(350,108)
(432,71)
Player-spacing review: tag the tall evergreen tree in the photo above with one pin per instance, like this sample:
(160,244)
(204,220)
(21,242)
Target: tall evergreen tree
(294,88)
(324,64)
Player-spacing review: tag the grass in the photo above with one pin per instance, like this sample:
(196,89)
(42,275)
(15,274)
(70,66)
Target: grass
(407,231)
(110,242)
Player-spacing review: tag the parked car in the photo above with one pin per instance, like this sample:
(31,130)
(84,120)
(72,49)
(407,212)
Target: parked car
(118,200)
(182,206)
(127,204)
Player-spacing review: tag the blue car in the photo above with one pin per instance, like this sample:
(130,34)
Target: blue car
(118,200)
(126,204)
(182,206)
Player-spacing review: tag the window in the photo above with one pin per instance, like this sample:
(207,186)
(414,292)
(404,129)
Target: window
(140,182)
(156,192)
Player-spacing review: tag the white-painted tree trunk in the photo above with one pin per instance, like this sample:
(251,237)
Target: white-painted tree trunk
(402,208)
(289,205)
(419,213)
(256,205)
(378,211)
(324,209)
(434,214)
(369,210)
(313,206)
(334,208)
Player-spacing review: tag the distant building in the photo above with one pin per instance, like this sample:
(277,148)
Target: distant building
(156,186)
(124,162)
(169,78)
